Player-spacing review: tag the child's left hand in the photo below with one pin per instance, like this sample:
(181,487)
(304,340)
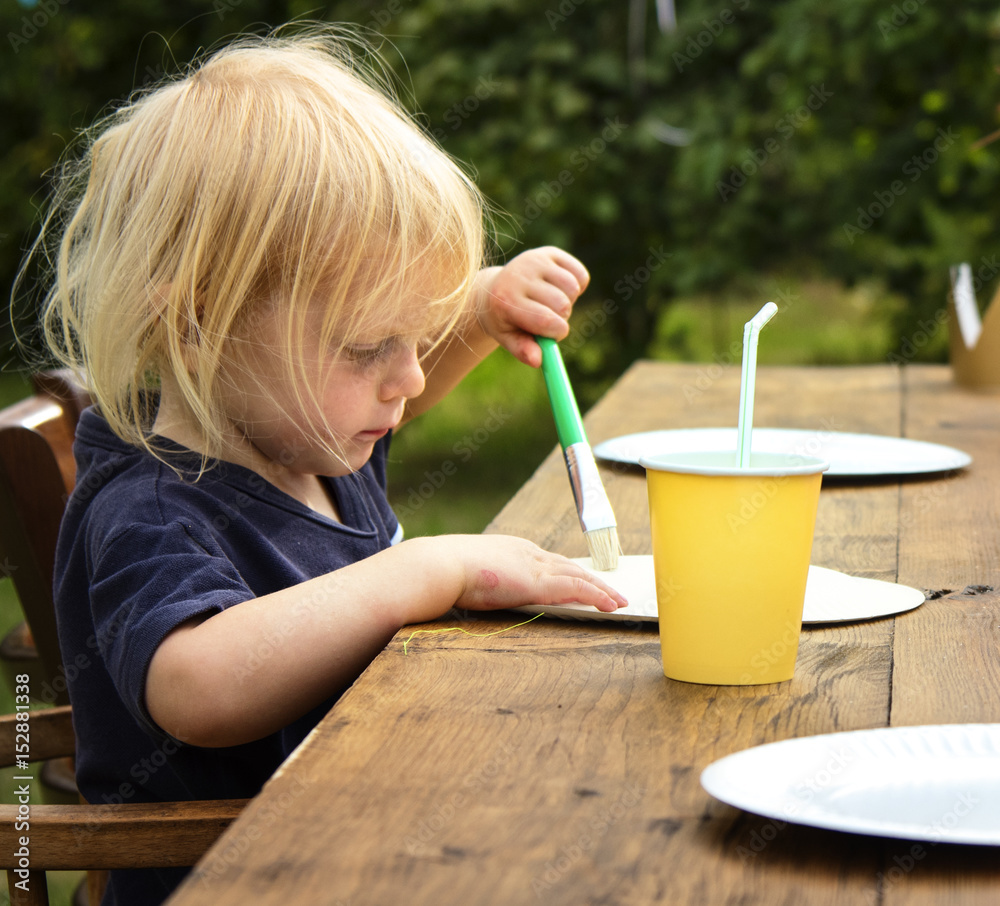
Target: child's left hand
(532,295)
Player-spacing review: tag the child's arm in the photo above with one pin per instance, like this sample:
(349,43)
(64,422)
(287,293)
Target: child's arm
(531,295)
(210,684)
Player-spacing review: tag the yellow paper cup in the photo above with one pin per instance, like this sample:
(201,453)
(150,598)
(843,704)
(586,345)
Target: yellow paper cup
(731,552)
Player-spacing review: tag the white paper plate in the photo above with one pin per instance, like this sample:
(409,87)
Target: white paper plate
(938,783)
(831,596)
(848,454)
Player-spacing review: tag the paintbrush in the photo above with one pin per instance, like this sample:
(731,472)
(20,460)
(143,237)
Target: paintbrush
(596,517)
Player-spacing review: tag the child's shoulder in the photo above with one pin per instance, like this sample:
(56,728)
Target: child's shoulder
(119,484)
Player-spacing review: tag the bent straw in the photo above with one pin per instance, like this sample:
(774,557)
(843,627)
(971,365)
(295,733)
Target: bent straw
(750,333)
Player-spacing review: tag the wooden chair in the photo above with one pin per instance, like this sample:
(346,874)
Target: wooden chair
(33,430)
(36,472)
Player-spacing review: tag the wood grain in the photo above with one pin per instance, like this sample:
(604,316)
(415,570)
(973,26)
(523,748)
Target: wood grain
(554,763)
(138,835)
(947,653)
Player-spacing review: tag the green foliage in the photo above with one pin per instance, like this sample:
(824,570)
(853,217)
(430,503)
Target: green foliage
(847,138)
(453,469)
(842,134)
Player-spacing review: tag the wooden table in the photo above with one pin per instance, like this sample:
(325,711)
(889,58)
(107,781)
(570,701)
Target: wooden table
(554,763)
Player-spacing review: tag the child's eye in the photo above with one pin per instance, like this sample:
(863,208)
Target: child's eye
(369,354)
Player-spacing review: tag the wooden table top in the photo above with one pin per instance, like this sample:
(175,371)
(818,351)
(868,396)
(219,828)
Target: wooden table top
(553,763)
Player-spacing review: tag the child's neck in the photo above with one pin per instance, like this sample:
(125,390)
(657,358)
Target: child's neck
(174,423)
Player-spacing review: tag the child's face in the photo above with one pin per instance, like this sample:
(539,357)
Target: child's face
(360,394)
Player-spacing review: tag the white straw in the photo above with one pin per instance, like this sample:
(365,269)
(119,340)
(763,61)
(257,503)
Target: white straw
(750,333)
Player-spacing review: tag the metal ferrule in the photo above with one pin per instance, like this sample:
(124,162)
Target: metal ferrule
(592,502)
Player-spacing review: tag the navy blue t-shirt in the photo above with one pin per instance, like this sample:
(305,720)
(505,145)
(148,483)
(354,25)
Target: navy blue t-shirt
(141,550)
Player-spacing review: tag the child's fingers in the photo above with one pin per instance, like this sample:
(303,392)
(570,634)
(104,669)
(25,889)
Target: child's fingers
(585,590)
(552,297)
(574,584)
(519,572)
(536,317)
(524,348)
(568,266)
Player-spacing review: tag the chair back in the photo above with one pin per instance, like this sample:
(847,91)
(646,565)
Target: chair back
(37,471)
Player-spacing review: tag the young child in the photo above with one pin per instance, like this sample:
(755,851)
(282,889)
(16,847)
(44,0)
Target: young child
(264,269)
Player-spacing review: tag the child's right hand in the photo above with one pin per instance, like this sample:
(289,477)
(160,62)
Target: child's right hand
(325,631)
(503,571)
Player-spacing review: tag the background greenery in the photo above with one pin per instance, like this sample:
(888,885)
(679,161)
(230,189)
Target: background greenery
(827,154)
(835,146)
(801,115)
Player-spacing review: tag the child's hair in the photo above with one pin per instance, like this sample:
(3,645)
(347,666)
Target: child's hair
(277,168)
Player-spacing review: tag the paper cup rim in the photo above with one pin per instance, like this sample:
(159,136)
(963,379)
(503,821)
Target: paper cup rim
(715,462)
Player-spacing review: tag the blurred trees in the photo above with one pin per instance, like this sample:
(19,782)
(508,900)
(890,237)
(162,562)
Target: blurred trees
(840,136)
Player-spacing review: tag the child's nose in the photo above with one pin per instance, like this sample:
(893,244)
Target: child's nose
(405,376)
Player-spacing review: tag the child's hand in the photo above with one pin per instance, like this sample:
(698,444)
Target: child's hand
(531,295)
(505,571)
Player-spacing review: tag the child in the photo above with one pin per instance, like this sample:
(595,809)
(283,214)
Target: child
(265,270)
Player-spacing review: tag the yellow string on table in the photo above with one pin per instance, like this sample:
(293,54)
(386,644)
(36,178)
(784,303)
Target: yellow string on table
(478,635)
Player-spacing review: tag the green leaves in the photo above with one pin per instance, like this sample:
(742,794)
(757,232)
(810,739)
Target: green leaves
(800,114)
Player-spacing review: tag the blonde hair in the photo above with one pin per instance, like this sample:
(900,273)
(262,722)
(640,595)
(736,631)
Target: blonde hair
(277,168)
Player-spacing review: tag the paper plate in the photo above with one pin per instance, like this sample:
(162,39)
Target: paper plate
(849,455)
(831,596)
(937,783)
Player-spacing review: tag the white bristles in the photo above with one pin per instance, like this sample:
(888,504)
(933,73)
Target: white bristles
(604,548)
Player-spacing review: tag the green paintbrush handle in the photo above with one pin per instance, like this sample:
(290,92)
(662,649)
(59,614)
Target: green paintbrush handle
(569,425)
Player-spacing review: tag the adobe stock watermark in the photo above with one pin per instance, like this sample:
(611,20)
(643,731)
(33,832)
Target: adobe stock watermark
(630,284)
(810,447)
(885,198)
(910,346)
(265,647)
(777,651)
(461,110)
(927,499)
(556,16)
(579,160)
(903,865)
(295,785)
(33,22)
(804,793)
(899,15)
(698,43)
(786,127)
(222,7)
(584,327)
(707,376)
(589,839)
(463,449)
(382,17)
(420,838)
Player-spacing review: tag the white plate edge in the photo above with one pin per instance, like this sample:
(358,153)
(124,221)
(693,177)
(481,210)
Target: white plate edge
(956,459)
(817,817)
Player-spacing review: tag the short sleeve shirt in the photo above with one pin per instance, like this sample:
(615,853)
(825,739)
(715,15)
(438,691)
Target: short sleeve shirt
(145,546)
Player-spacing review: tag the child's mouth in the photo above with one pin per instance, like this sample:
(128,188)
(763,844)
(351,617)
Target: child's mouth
(373,435)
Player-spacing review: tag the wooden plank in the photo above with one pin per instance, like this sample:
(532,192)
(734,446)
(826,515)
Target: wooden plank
(920,873)
(946,666)
(947,653)
(134,835)
(584,733)
(950,537)
(555,763)
(51,734)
